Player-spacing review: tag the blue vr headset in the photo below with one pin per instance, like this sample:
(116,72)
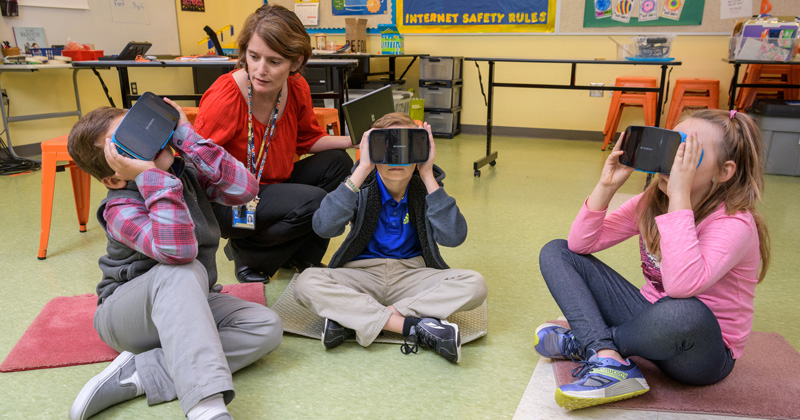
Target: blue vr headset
(651,149)
(146,128)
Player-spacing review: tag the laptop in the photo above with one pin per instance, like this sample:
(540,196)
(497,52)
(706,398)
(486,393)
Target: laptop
(130,52)
(360,113)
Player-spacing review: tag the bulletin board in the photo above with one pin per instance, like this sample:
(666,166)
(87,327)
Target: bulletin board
(328,23)
(108,24)
(572,12)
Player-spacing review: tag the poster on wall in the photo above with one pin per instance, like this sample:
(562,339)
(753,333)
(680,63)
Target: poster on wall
(627,13)
(193,5)
(358,7)
(490,16)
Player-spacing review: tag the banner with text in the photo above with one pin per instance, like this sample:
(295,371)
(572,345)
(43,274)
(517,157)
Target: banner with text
(470,16)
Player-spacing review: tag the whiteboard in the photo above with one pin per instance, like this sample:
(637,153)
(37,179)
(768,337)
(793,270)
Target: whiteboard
(109,24)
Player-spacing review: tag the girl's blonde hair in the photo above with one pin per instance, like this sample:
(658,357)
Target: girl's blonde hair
(741,143)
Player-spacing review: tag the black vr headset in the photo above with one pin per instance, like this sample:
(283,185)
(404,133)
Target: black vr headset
(146,128)
(651,149)
(399,146)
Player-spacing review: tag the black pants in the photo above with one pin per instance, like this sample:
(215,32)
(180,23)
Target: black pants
(283,217)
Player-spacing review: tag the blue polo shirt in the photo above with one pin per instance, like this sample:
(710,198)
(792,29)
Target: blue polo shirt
(395,236)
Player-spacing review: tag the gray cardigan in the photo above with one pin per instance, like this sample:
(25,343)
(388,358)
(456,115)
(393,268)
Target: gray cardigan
(436,218)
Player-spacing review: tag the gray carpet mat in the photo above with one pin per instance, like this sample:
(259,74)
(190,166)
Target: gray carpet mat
(298,320)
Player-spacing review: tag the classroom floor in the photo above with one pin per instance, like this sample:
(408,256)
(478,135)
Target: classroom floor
(514,208)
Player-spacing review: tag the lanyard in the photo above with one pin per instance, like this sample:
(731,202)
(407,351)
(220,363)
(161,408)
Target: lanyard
(268,133)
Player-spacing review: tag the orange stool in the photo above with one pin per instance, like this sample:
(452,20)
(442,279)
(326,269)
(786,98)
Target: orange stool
(53,151)
(328,116)
(191,113)
(692,93)
(621,99)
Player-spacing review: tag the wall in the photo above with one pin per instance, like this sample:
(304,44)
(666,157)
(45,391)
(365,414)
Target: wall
(547,109)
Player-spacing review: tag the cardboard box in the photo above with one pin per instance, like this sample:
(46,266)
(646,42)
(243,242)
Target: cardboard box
(356,34)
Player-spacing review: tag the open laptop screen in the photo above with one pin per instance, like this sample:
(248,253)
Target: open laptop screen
(360,113)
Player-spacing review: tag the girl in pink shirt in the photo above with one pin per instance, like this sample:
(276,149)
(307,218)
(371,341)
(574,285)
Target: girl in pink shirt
(701,242)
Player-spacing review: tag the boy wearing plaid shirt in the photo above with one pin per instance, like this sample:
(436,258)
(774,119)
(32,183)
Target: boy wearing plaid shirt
(158,300)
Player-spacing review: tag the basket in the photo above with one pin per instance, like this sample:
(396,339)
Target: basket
(83,55)
(46,52)
(8,52)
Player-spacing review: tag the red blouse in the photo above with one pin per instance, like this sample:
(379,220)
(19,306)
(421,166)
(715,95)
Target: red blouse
(223,118)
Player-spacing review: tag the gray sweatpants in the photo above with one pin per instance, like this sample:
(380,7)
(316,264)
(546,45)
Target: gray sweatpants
(187,339)
(357,295)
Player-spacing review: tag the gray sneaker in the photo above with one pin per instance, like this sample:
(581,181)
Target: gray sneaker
(439,336)
(108,388)
(334,334)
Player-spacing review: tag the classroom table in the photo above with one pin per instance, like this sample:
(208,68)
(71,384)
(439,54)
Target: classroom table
(491,157)
(127,97)
(32,68)
(391,74)
(735,79)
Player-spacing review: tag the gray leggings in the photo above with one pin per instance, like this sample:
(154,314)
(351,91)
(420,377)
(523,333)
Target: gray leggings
(605,311)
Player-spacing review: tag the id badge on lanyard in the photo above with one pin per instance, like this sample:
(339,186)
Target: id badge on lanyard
(244,216)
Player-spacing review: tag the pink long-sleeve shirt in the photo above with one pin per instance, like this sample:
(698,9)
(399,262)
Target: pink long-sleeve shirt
(716,261)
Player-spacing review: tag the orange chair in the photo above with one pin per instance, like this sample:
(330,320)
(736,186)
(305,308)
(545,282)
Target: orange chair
(621,99)
(692,93)
(191,113)
(53,151)
(328,116)
(767,73)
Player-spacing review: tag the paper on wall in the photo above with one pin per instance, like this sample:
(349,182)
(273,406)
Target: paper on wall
(307,11)
(672,9)
(729,9)
(648,10)
(622,10)
(602,8)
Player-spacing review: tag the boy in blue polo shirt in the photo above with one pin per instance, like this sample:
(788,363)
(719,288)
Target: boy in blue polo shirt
(388,274)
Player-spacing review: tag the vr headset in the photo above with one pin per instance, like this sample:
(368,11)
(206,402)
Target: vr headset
(399,146)
(146,128)
(651,149)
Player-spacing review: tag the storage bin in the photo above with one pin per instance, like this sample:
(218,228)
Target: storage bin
(402,98)
(762,49)
(83,55)
(46,52)
(780,126)
(438,96)
(652,46)
(440,68)
(444,123)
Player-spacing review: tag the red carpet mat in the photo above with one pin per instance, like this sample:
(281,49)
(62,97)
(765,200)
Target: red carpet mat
(62,334)
(764,383)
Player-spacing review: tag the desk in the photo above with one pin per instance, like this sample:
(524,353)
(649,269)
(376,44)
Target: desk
(128,98)
(735,80)
(18,68)
(491,157)
(365,65)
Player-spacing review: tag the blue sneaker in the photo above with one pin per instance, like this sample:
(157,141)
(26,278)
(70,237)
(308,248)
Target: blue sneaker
(556,342)
(600,381)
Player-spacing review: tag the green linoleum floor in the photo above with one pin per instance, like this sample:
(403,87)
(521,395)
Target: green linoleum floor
(529,198)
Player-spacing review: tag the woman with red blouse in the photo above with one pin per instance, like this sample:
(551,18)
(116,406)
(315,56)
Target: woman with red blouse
(262,114)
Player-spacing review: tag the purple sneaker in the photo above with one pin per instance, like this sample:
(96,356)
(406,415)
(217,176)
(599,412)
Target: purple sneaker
(601,380)
(556,342)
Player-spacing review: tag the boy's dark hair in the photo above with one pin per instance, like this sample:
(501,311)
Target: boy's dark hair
(394,119)
(85,141)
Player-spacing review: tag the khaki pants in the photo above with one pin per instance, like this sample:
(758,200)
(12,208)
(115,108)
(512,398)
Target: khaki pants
(357,295)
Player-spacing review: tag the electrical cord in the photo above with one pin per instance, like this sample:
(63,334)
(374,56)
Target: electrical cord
(10,164)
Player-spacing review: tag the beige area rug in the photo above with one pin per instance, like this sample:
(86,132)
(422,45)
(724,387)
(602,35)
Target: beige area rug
(299,320)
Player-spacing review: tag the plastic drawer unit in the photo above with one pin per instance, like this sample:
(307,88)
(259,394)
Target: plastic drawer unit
(780,125)
(444,123)
(440,95)
(440,68)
